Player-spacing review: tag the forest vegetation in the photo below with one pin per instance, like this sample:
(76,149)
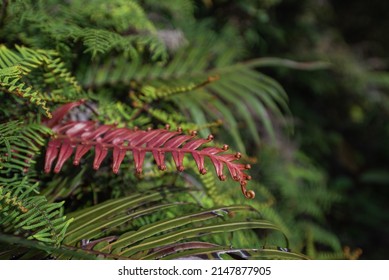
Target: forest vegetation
(183,129)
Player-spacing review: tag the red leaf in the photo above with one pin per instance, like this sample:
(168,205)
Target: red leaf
(178,158)
(192,145)
(229,157)
(64,153)
(157,142)
(80,152)
(118,157)
(145,137)
(235,173)
(91,135)
(159,157)
(79,127)
(177,141)
(115,133)
(212,150)
(59,114)
(139,157)
(51,153)
(219,168)
(85,135)
(199,159)
(100,153)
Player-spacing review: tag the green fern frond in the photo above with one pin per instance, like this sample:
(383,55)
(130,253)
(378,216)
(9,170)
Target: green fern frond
(101,26)
(31,215)
(206,184)
(19,143)
(176,121)
(8,200)
(112,215)
(119,14)
(18,88)
(13,72)
(210,92)
(209,184)
(151,93)
(57,73)
(14,247)
(60,188)
(22,69)
(56,77)
(99,41)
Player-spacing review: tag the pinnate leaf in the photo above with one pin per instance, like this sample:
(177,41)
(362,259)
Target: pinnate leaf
(79,137)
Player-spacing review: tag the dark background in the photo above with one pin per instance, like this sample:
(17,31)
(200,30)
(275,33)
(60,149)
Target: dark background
(341,115)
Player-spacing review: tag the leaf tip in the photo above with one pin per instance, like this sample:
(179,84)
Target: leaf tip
(249,194)
(162,167)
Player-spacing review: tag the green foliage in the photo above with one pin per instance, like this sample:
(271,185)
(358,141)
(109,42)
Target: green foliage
(22,211)
(100,26)
(30,215)
(148,64)
(303,188)
(142,242)
(36,75)
(19,144)
(208,79)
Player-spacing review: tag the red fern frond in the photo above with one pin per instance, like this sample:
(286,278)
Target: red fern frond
(79,137)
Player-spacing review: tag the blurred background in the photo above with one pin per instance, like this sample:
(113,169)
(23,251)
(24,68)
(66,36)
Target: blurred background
(341,114)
